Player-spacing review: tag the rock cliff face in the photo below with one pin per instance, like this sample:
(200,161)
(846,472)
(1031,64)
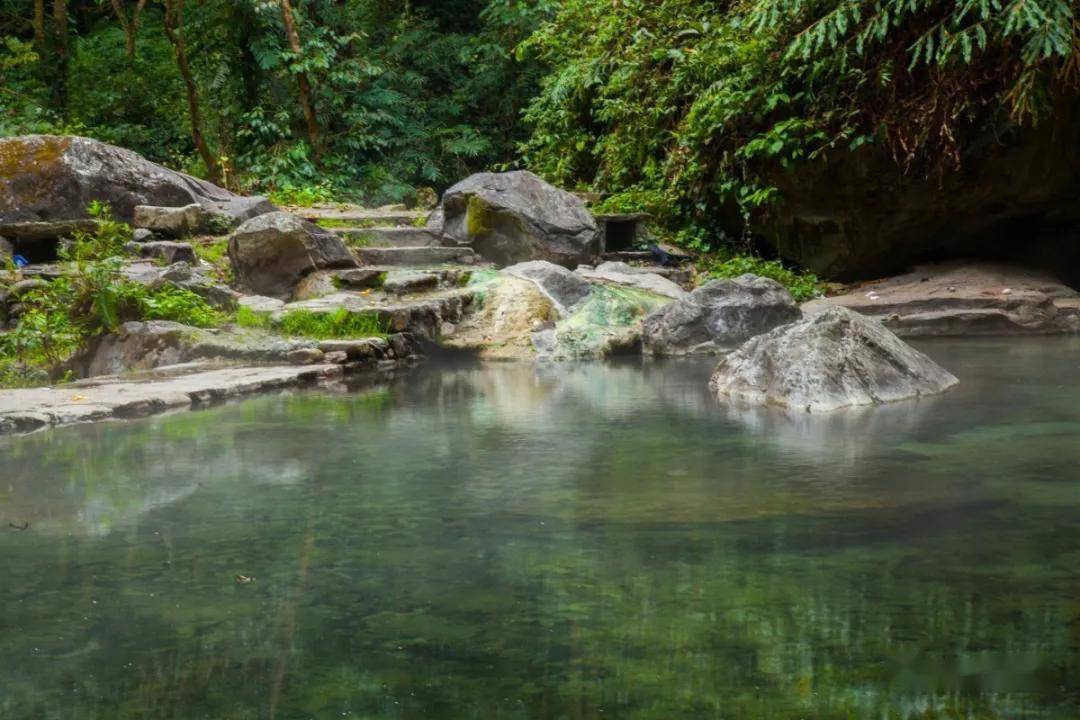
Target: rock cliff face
(49,178)
(857,215)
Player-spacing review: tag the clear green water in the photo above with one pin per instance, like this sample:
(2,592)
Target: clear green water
(581,541)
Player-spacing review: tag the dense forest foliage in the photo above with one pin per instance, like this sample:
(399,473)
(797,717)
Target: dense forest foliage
(686,108)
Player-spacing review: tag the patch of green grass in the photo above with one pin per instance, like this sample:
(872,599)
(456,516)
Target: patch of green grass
(246,317)
(326,326)
(178,305)
(802,285)
(360,224)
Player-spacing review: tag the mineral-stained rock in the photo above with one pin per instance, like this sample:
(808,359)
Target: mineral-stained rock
(50,178)
(719,316)
(835,359)
(271,253)
(502,319)
(622,274)
(514,217)
(563,287)
(965,298)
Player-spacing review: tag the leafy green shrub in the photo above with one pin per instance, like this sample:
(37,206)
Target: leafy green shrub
(707,104)
(803,286)
(302,196)
(61,317)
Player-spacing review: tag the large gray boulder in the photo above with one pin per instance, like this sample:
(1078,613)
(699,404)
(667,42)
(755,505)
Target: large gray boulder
(719,316)
(833,360)
(561,286)
(271,253)
(515,217)
(54,178)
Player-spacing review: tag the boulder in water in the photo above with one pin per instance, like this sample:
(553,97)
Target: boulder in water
(515,217)
(833,360)
(271,253)
(719,316)
(54,178)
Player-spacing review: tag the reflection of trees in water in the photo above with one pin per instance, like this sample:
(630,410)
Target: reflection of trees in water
(535,542)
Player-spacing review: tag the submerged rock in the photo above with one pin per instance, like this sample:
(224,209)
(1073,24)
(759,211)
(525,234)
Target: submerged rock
(833,360)
(719,316)
(270,254)
(54,178)
(515,217)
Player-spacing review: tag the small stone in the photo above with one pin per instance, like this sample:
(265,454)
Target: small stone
(447,329)
(167,250)
(305,356)
(1007,291)
(336,357)
(142,235)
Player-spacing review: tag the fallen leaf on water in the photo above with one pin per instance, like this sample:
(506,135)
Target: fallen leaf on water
(244,579)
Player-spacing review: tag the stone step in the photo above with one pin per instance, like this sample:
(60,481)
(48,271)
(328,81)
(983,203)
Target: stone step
(362,216)
(388,236)
(416,255)
(425,316)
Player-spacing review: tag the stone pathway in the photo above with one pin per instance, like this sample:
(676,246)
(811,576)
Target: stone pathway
(106,398)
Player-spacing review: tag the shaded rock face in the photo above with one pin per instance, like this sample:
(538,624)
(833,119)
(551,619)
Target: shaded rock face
(516,217)
(965,298)
(271,253)
(833,360)
(719,316)
(54,178)
(859,216)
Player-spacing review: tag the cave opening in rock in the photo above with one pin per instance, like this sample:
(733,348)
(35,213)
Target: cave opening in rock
(1035,242)
(38,252)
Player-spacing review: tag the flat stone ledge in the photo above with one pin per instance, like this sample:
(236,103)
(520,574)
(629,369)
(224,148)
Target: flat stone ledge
(28,410)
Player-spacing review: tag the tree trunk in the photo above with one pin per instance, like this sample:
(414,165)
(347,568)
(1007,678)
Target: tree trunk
(39,23)
(174,31)
(60,22)
(130,25)
(301,79)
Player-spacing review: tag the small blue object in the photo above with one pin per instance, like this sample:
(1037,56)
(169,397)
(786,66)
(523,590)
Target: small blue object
(20,261)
